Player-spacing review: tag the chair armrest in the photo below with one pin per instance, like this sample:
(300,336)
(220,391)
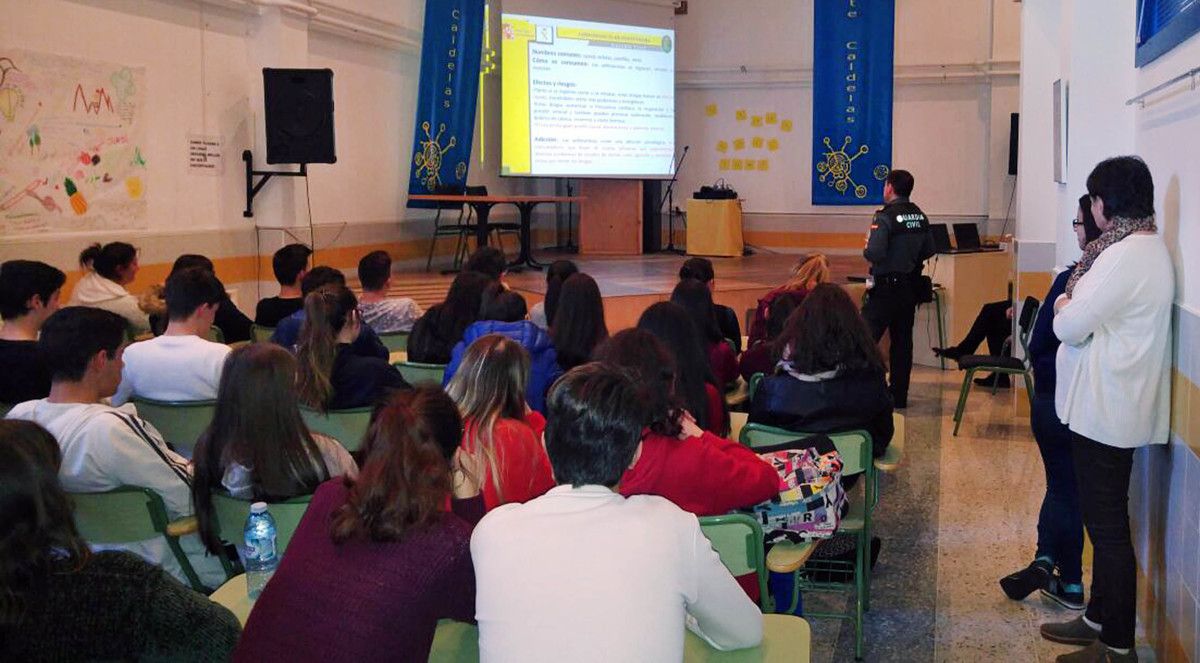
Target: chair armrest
(787,557)
(183,526)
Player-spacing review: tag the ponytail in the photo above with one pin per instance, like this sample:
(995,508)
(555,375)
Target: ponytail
(106,260)
(326,312)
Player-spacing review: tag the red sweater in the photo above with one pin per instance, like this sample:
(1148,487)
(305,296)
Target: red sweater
(717,423)
(521,460)
(706,475)
(361,599)
(724,363)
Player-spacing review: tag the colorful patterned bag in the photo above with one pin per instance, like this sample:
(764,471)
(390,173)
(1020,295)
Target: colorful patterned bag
(811,501)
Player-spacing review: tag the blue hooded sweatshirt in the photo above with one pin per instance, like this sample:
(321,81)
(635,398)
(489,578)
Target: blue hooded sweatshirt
(543,365)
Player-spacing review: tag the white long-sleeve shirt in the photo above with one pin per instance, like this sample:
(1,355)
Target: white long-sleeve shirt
(584,574)
(172,368)
(1114,364)
(98,292)
(104,448)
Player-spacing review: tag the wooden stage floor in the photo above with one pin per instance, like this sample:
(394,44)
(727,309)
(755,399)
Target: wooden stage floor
(631,283)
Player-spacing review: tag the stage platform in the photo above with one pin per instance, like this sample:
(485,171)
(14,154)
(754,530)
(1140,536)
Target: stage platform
(630,284)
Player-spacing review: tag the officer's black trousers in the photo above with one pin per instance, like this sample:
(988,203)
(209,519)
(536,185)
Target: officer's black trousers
(892,308)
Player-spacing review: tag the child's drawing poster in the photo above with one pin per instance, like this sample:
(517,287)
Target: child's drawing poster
(72,144)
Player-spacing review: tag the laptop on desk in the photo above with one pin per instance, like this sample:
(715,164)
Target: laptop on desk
(966,238)
(941,240)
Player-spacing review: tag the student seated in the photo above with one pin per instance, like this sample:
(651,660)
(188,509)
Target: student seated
(108,269)
(831,376)
(436,333)
(377,560)
(808,272)
(489,261)
(29,292)
(542,313)
(385,315)
(578,325)
(287,332)
(180,365)
(701,269)
(333,376)
(762,356)
(993,323)
(503,312)
(234,325)
(489,388)
(63,602)
(257,446)
(640,563)
(698,471)
(695,298)
(698,390)
(290,264)
(105,447)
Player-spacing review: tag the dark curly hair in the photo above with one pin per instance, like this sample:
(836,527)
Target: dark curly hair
(36,525)
(828,333)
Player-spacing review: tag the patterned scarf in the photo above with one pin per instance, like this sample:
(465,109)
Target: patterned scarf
(1120,229)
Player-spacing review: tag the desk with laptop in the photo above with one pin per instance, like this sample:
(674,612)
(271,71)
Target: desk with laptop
(966,239)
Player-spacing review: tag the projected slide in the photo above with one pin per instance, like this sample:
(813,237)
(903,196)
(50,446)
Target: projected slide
(586,99)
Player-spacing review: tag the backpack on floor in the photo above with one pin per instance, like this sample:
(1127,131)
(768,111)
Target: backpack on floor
(811,500)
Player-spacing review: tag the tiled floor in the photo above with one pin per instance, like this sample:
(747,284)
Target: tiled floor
(959,514)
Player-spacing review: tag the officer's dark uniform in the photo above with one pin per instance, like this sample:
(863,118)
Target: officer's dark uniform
(897,248)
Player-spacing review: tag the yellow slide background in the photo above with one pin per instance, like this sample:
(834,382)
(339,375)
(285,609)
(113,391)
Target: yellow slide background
(514,70)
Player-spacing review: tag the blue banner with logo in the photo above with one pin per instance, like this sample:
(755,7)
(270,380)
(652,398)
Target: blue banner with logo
(852,100)
(449,88)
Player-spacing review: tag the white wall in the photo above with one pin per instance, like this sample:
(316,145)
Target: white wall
(955,87)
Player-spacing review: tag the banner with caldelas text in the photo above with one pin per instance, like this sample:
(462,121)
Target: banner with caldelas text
(448,91)
(852,100)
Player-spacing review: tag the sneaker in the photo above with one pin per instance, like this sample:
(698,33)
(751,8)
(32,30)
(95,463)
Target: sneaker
(1098,652)
(1074,632)
(1057,591)
(1036,576)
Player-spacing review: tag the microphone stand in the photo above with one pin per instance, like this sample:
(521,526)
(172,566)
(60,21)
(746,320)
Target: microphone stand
(670,200)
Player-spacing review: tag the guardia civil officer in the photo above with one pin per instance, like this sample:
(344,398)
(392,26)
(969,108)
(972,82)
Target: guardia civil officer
(897,246)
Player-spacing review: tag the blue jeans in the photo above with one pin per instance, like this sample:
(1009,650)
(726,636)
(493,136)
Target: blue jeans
(1060,523)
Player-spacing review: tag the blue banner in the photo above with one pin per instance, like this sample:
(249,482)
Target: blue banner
(852,100)
(449,88)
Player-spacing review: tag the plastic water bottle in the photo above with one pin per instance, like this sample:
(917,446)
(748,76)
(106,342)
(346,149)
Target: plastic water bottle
(260,558)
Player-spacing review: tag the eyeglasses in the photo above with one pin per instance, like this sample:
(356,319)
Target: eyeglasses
(1075,223)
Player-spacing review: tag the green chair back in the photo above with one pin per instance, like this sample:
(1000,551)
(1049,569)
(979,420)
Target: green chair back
(738,540)
(394,342)
(755,381)
(216,335)
(180,422)
(258,333)
(853,446)
(128,514)
(231,514)
(346,426)
(415,372)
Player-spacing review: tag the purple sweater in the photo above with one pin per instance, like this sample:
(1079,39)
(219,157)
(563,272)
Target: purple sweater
(362,600)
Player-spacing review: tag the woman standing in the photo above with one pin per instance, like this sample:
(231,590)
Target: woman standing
(1114,321)
(1057,566)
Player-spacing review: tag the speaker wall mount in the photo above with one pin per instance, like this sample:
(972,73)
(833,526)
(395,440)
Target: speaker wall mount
(252,188)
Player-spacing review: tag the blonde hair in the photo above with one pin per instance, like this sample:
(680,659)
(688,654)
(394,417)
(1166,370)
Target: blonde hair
(809,272)
(488,386)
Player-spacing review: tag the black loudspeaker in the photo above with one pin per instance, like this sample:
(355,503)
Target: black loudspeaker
(652,218)
(299,115)
(1014,126)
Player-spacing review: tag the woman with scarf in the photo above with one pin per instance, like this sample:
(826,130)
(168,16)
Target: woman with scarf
(1113,391)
